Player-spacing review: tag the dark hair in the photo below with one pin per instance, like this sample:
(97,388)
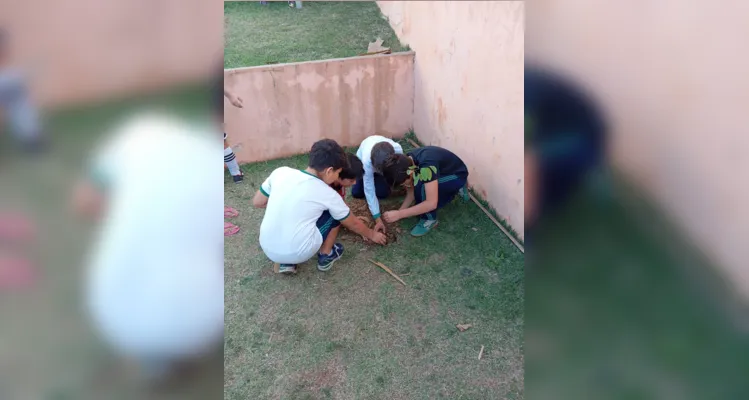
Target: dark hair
(380,153)
(217,93)
(395,169)
(326,153)
(355,168)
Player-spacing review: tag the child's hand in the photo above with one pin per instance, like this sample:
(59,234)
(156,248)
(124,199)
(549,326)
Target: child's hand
(391,216)
(378,237)
(380,226)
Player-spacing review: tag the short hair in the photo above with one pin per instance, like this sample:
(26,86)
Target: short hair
(355,168)
(326,153)
(380,153)
(395,169)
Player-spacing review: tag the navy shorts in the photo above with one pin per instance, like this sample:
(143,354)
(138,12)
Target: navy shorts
(326,223)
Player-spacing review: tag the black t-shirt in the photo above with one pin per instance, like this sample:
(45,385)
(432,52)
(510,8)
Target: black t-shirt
(443,160)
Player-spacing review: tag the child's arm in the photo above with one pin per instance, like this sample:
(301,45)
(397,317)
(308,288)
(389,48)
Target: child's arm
(235,100)
(430,204)
(261,197)
(409,199)
(370,193)
(354,224)
(260,200)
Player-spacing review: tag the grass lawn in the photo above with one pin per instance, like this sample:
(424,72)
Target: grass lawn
(47,350)
(355,332)
(258,35)
(616,310)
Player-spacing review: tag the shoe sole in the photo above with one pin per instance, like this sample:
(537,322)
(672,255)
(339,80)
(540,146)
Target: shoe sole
(326,269)
(430,229)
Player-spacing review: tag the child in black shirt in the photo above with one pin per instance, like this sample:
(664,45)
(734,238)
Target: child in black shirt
(432,176)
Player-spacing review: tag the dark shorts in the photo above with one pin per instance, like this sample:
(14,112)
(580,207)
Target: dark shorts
(381,188)
(326,223)
(448,187)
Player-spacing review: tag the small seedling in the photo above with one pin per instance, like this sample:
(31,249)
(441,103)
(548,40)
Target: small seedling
(423,174)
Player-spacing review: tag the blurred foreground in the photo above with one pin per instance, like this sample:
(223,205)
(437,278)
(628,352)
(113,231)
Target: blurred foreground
(47,347)
(637,288)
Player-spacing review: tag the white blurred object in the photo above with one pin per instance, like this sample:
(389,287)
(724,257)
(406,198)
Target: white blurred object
(156,284)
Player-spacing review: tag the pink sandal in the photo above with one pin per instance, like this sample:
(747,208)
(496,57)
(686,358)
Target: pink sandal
(230,229)
(230,212)
(15,273)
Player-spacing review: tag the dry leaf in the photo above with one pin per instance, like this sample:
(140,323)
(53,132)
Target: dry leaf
(475,229)
(376,46)
(463,327)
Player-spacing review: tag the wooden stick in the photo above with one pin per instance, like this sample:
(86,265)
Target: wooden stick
(386,51)
(388,271)
(488,214)
(481,352)
(502,228)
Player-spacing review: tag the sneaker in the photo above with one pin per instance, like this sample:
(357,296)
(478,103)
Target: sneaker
(287,269)
(292,4)
(423,227)
(324,262)
(463,192)
(237,178)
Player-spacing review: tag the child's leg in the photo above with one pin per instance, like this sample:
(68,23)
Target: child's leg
(231,161)
(448,187)
(381,188)
(330,251)
(329,228)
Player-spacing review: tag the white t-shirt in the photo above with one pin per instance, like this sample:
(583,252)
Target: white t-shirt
(156,278)
(296,200)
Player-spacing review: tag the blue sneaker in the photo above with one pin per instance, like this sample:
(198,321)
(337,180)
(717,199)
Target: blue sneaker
(287,269)
(423,227)
(463,192)
(324,262)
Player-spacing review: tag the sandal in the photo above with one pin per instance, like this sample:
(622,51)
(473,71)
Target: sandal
(230,212)
(230,229)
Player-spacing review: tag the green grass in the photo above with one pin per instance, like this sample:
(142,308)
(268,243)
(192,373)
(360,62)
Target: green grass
(355,332)
(50,352)
(259,35)
(619,308)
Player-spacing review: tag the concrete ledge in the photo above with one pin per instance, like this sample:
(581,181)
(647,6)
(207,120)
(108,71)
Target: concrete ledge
(287,107)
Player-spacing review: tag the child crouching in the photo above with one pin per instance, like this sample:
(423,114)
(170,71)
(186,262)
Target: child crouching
(433,176)
(304,214)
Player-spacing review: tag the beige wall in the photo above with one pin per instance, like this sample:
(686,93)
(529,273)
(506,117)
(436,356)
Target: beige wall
(672,76)
(288,107)
(468,93)
(88,50)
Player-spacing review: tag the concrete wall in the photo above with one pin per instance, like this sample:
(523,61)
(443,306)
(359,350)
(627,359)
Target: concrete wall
(672,76)
(288,107)
(90,50)
(469,89)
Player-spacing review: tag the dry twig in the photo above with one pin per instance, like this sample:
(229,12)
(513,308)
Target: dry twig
(388,271)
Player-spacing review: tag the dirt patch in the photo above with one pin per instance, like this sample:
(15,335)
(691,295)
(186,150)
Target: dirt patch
(360,209)
(328,376)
